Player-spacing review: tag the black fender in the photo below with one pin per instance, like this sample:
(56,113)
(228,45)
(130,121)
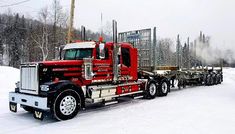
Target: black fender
(152,80)
(55,88)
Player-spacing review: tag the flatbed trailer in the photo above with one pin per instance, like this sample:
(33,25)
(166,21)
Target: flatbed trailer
(181,78)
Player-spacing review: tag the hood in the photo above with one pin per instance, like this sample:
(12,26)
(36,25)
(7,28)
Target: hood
(62,63)
(62,70)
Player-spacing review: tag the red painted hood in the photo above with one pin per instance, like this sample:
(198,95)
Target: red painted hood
(62,62)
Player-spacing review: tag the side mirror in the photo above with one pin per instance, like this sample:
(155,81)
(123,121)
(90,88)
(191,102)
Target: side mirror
(61,52)
(101,51)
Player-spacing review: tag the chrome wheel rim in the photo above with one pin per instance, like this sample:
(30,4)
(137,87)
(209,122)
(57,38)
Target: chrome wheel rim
(152,89)
(164,87)
(68,105)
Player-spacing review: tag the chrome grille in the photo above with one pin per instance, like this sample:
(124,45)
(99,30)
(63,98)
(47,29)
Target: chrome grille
(29,79)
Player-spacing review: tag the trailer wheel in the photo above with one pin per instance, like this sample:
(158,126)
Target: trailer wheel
(164,88)
(207,81)
(220,79)
(216,80)
(151,91)
(66,105)
(212,80)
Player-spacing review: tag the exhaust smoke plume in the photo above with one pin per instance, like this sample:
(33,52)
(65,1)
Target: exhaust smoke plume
(209,55)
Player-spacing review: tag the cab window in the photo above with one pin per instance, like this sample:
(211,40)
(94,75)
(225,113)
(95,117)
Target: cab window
(126,60)
(78,54)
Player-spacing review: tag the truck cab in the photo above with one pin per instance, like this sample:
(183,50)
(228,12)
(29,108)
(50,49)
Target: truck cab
(89,72)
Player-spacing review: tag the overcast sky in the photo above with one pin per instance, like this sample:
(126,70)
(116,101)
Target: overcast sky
(171,17)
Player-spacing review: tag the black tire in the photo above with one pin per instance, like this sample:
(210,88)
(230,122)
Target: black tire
(66,105)
(219,79)
(208,80)
(151,91)
(164,88)
(212,80)
(28,109)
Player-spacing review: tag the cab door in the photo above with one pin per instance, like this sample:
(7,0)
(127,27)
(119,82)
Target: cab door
(102,64)
(125,64)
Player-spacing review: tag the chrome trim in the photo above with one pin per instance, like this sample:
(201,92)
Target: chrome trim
(29,79)
(107,87)
(88,69)
(29,100)
(84,90)
(96,100)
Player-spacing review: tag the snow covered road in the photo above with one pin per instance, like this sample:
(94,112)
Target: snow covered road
(194,110)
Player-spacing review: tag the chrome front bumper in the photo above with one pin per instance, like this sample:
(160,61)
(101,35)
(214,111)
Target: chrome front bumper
(28,100)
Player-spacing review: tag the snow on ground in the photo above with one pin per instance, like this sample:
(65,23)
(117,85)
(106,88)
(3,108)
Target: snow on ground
(8,77)
(194,110)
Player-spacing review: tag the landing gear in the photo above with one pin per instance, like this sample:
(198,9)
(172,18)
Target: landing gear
(181,84)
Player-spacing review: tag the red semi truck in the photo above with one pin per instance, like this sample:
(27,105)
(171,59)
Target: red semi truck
(89,72)
(97,72)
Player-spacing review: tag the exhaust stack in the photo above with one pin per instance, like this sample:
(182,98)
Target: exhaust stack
(83,33)
(115,53)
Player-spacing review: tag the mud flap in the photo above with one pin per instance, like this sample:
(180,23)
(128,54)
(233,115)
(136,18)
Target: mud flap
(13,107)
(38,114)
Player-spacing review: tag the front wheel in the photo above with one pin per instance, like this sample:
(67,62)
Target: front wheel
(67,105)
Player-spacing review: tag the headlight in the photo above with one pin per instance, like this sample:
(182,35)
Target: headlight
(44,88)
(17,84)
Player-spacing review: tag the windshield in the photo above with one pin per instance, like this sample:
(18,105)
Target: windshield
(78,54)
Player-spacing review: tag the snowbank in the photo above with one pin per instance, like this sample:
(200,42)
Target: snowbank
(8,77)
(193,110)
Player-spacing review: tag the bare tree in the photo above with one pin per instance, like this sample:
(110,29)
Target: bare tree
(59,16)
(59,20)
(165,51)
(41,37)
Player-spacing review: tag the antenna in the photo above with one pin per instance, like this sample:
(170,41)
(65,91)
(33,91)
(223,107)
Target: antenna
(101,23)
